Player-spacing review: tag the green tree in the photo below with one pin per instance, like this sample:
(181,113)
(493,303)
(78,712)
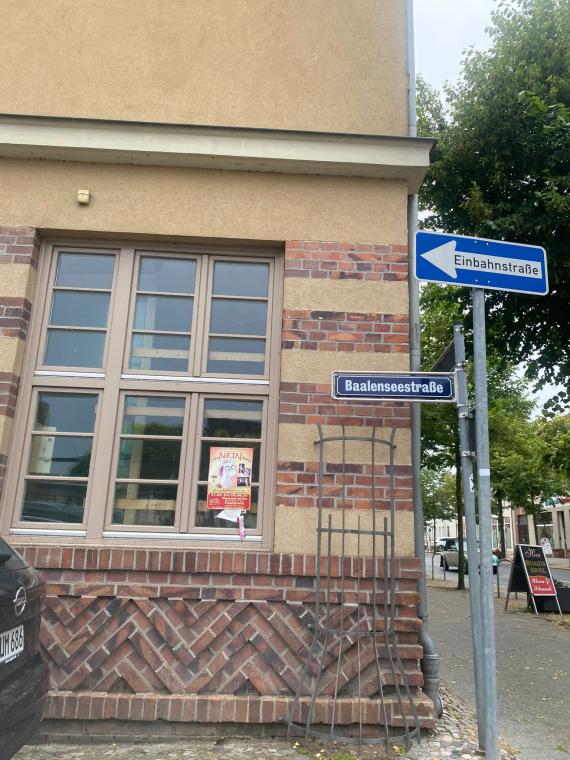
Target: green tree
(501,169)
(438,495)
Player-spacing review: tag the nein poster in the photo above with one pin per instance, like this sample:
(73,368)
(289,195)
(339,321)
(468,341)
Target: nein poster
(229,478)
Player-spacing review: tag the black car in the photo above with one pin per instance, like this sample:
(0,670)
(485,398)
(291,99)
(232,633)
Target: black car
(24,676)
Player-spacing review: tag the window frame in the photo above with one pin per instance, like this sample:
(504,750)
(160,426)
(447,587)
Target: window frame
(196,313)
(47,308)
(115,380)
(23,476)
(202,368)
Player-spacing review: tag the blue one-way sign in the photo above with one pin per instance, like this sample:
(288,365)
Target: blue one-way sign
(480,263)
(395,386)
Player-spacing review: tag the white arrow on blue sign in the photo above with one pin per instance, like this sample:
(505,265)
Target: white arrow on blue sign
(480,263)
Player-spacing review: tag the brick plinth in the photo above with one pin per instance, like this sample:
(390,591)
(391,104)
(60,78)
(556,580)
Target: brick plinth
(210,636)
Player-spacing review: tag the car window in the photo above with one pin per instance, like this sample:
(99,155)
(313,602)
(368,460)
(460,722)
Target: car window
(9,558)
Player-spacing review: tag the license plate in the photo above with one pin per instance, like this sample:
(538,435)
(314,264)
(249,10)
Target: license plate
(11,643)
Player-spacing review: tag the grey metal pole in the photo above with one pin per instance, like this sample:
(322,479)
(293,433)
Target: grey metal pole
(469,505)
(485,528)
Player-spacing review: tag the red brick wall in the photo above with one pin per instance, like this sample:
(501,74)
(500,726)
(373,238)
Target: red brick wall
(355,332)
(345,261)
(207,636)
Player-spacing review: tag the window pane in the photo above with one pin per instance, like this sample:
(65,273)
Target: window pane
(168,313)
(79,309)
(240,356)
(161,353)
(206,518)
(241,279)
(149,459)
(66,412)
(74,348)
(83,270)
(153,415)
(229,418)
(205,458)
(54,501)
(167,275)
(144,504)
(60,455)
(239,317)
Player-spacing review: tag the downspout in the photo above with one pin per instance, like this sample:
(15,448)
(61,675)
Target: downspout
(430,660)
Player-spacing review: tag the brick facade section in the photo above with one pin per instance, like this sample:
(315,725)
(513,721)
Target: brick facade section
(345,331)
(345,261)
(311,403)
(14,317)
(208,636)
(348,487)
(358,333)
(18,245)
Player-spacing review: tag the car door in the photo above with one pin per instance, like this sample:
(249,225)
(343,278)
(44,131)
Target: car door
(452,555)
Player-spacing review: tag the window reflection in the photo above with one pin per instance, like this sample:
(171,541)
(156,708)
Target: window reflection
(55,456)
(149,452)
(234,423)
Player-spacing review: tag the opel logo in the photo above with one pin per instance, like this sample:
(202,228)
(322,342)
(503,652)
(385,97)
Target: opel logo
(20,601)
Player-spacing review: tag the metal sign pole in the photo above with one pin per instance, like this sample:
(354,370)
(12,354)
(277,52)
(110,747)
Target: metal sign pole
(485,526)
(469,504)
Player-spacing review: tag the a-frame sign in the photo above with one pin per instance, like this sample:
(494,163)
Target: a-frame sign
(530,574)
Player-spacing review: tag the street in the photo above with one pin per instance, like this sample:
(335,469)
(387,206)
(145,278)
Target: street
(504,571)
(532,666)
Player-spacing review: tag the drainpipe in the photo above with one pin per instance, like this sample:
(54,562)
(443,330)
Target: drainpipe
(430,660)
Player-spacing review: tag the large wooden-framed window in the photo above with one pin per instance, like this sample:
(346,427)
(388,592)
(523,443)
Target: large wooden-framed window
(140,360)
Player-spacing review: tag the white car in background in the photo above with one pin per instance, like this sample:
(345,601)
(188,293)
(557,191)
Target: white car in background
(450,557)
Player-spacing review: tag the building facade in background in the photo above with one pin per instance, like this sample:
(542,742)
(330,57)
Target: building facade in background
(551,523)
(203,213)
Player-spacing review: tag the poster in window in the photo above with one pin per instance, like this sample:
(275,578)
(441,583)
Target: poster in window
(229,478)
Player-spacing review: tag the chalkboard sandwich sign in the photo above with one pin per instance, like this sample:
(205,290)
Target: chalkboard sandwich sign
(530,573)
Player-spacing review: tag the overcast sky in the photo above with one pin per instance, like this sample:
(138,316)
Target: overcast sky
(443,29)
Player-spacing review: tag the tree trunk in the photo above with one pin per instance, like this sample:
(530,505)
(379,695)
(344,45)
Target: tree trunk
(501,520)
(459,508)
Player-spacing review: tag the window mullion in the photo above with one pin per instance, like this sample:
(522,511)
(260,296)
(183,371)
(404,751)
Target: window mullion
(190,464)
(200,306)
(104,443)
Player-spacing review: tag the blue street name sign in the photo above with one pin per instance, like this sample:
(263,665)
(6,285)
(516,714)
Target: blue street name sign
(480,263)
(411,386)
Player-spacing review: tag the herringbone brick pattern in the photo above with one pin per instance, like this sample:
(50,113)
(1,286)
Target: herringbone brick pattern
(127,642)
(125,645)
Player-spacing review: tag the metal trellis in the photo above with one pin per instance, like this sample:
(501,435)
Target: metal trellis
(355,616)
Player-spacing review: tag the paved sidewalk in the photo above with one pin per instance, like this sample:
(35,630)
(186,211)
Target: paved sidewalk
(559,563)
(455,737)
(533,677)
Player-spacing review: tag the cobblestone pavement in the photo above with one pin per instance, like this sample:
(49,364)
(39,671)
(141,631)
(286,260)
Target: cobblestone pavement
(455,737)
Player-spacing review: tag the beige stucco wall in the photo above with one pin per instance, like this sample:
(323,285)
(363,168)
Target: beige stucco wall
(348,295)
(295,530)
(200,202)
(17,280)
(6,424)
(329,65)
(297,444)
(11,354)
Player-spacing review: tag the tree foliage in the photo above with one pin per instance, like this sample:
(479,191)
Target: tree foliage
(530,458)
(438,495)
(501,170)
